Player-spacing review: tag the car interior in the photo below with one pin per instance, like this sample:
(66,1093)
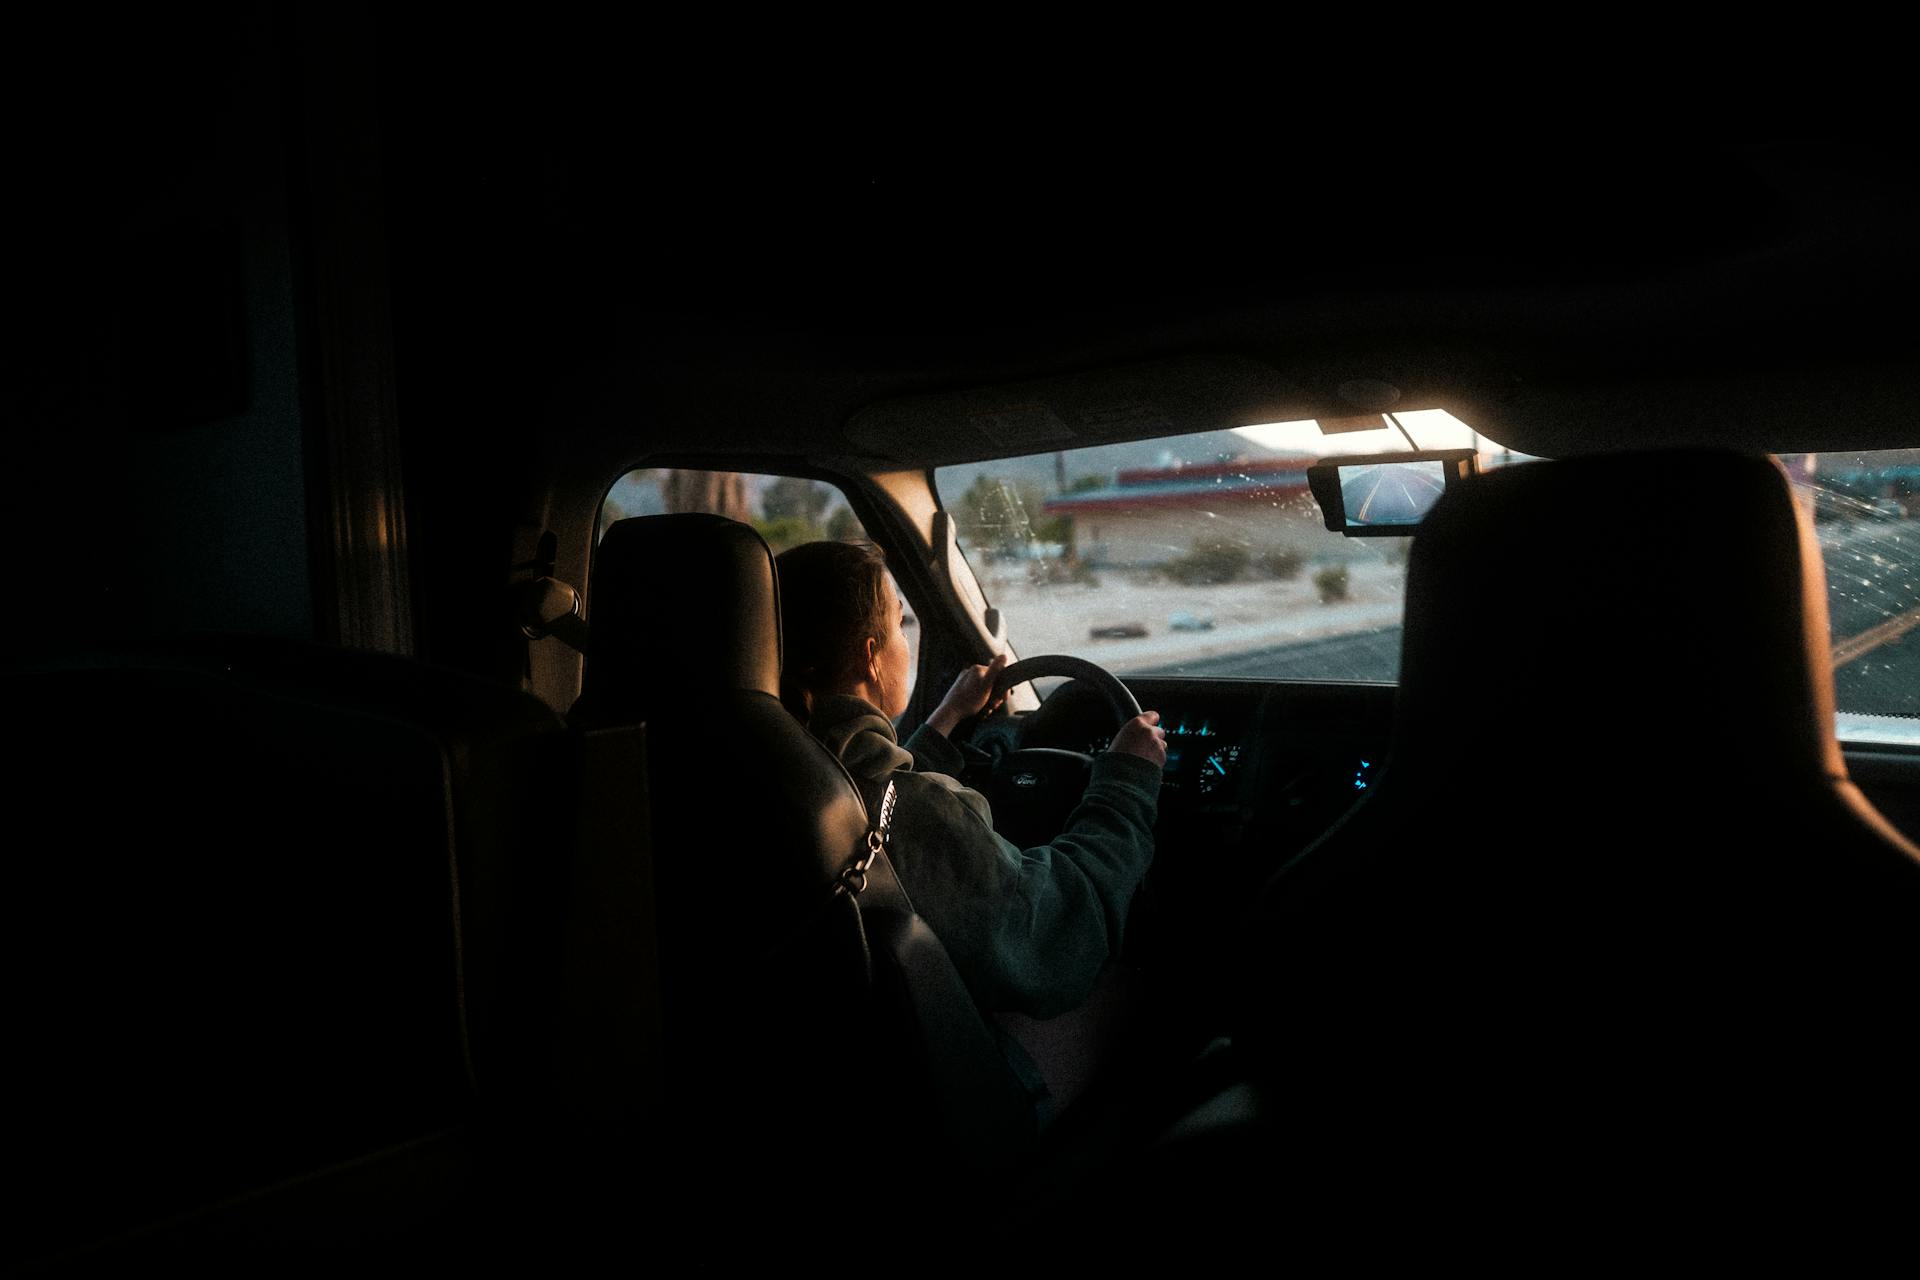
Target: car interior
(416,864)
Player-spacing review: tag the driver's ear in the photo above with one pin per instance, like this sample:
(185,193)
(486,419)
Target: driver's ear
(873,660)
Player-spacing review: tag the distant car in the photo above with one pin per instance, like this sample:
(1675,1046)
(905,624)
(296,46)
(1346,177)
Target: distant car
(1190,622)
(1119,631)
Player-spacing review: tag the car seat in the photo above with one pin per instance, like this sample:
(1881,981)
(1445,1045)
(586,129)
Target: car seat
(809,1031)
(1612,948)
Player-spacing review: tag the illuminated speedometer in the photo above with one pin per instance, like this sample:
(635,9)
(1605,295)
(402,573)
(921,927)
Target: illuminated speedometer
(1216,766)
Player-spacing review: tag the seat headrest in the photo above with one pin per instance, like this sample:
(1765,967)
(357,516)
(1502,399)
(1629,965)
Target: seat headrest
(1583,614)
(680,608)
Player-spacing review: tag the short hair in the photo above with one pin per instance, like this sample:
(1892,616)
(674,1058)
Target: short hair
(833,598)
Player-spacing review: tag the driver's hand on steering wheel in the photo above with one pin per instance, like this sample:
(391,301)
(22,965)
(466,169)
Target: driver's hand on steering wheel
(971,693)
(1142,736)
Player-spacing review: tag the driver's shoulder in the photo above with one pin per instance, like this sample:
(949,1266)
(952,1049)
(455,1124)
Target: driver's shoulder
(939,798)
(927,794)
(924,768)
(856,732)
(873,754)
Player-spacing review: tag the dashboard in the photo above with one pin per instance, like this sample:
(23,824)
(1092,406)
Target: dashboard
(1256,772)
(1203,757)
(1280,761)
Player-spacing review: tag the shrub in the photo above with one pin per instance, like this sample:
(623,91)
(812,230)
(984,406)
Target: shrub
(1331,583)
(788,531)
(1212,561)
(1284,563)
(1067,568)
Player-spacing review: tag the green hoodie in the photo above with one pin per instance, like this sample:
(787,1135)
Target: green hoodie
(1029,930)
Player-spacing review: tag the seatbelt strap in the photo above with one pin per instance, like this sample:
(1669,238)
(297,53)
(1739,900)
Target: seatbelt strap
(868,873)
(854,879)
(983,1108)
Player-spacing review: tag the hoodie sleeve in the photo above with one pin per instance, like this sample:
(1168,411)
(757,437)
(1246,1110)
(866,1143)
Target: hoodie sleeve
(1029,929)
(934,752)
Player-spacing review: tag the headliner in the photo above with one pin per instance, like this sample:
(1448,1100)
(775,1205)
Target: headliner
(1704,290)
(652,261)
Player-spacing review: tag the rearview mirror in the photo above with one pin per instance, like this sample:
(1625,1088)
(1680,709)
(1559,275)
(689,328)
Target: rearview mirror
(1385,495)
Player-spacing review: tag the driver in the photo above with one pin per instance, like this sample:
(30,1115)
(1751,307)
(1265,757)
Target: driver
(1029,930)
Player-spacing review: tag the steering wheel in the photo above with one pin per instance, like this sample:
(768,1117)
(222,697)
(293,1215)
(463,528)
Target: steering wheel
(1033,789)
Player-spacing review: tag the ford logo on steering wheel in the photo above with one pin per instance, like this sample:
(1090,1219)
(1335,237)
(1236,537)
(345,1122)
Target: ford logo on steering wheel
(1026,779)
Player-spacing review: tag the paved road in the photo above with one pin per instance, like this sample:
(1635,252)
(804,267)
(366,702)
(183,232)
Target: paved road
(1873,576)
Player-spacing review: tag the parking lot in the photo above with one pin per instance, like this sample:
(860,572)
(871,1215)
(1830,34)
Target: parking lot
(1248,618)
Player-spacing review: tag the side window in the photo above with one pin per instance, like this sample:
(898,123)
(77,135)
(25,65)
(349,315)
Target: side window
(1863,510)
(786,510)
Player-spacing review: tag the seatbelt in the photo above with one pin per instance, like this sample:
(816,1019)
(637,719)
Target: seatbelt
(853,878)
(985,1110)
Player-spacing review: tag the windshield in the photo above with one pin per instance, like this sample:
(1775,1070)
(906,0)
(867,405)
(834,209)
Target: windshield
(1195,555)
(1204,555)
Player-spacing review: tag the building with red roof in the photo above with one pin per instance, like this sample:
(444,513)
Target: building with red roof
(1149,516)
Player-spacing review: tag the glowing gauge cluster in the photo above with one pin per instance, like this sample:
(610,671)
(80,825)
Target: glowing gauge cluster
(1217,764)
(1200,760)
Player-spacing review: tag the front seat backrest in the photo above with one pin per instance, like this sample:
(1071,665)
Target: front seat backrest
(1613,890)
(785,1004)
(747,810)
